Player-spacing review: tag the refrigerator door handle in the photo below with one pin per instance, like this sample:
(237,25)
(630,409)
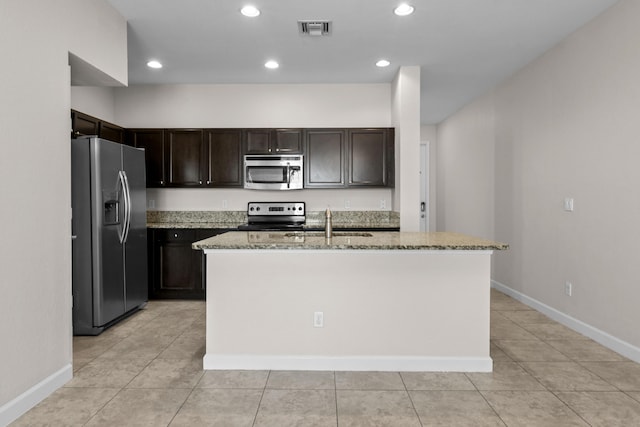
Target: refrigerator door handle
(121,233)
(127,206)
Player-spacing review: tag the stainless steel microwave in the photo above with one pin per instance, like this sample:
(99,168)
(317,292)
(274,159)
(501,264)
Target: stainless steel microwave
(272,172)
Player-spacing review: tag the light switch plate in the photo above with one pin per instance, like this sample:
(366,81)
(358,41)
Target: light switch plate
(568,204)
(318,319)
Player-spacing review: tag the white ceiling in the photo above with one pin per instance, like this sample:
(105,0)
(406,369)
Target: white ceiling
(464,47)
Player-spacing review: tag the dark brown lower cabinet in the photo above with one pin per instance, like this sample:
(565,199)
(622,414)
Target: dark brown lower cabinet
(176,271)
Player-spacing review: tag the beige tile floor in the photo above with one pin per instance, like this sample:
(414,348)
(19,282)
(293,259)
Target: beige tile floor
(147,371)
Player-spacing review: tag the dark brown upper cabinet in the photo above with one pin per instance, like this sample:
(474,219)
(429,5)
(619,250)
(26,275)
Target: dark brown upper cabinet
(111,132)
(83,124)
(273,141)
(185,154)
(371,157)
(325,158)
(153,142)
(211,158)
(223,155)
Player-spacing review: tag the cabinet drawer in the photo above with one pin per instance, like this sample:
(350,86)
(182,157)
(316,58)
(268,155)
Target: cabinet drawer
(176,234)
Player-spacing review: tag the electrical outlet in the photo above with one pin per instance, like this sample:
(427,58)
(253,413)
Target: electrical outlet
(383,204)
(318,319)
(347,204)
(568,288)
(151,203)
(225,204)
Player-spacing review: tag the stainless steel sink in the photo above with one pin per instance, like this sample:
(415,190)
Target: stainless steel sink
(335,234)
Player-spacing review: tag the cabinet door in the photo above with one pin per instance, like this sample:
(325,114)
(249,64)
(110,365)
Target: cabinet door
(367,152)
(257,141)
(273,141)
(186,153)
(325,158)
(177,267)
(224,157)
(153,142)
(83,124)
(111,132)
(286,141)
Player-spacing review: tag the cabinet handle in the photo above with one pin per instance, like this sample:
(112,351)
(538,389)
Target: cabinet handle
(175,235)
(200,182)
(161,182)
(269,149)
(208,182)
(277,149)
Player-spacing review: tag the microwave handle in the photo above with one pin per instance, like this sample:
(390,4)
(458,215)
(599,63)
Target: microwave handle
(288,176)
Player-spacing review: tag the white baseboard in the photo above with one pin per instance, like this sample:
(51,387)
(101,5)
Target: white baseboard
(12,410)
(325,363)
(619,346)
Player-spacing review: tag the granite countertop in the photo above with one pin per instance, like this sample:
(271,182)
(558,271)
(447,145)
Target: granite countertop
(348,240)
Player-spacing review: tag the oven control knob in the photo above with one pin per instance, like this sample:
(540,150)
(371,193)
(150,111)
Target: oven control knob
(251,208)
(258,208)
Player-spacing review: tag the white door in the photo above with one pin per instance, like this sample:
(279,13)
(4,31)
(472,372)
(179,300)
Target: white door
(424,186)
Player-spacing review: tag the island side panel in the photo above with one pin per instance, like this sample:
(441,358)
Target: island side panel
(383,310)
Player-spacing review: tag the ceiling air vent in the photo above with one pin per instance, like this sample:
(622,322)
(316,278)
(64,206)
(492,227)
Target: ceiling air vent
(315,28)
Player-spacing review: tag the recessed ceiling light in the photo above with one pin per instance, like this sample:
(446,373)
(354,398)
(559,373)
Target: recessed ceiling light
(271,64)
(383,63)
(154,64)
(250,11)
(404,9)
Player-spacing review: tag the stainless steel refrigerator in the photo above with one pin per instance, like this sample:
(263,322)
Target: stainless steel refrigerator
(110,235)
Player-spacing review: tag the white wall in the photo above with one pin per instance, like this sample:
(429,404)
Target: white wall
(35,255)
(465,171)
(254,105)
(565,126)
(96,101)
(229,199)
(258,105)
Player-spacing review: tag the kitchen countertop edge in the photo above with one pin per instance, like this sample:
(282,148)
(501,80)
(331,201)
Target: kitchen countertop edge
(434,241)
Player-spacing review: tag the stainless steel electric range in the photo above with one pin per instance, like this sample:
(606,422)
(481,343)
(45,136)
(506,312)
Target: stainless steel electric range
(274,216)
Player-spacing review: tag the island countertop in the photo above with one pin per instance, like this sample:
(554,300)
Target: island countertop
(270,240)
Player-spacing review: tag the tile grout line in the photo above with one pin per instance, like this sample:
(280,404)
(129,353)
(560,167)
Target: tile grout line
(255,417)
(335,393)
(569,406)
(413,405)
(485,398)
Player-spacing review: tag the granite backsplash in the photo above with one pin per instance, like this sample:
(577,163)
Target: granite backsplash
(231,219)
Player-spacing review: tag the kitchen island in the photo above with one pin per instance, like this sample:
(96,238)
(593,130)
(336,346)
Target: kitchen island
(381,301)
